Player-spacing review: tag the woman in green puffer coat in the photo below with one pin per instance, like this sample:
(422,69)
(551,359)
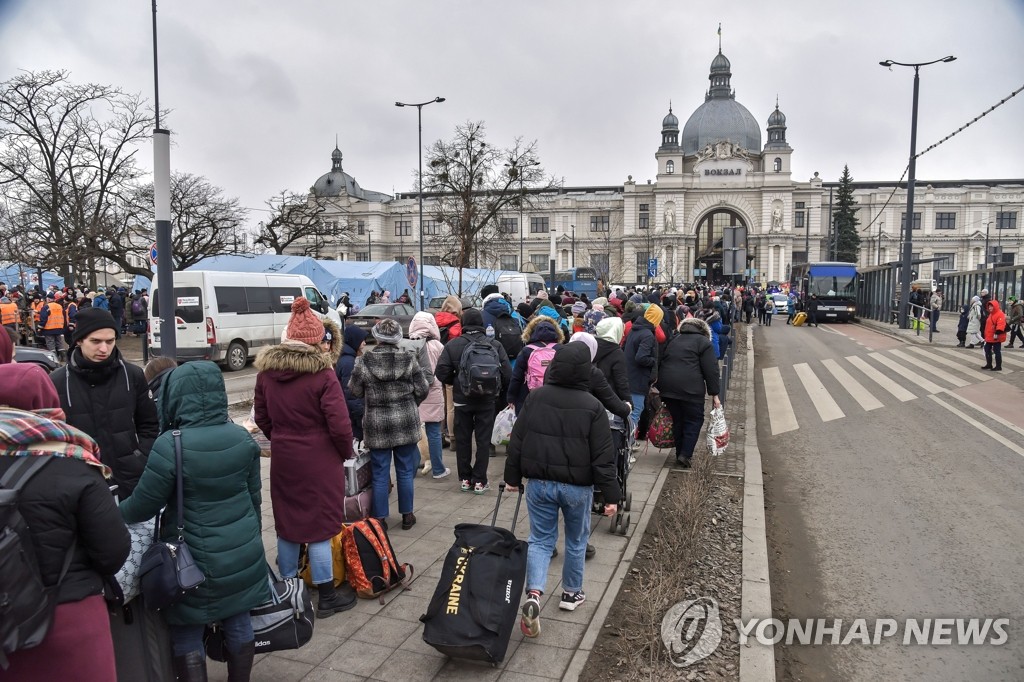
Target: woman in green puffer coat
(221,475)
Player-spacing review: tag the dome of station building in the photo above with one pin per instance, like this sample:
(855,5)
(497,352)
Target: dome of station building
(721,117)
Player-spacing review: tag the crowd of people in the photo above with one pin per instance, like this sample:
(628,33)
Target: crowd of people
(48,318)
(560,362)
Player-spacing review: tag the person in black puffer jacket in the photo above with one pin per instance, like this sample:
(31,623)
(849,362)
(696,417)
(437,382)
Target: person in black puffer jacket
(108,398)
(355,340)
(561,442)
(688,370)
(67,503)
(610,358)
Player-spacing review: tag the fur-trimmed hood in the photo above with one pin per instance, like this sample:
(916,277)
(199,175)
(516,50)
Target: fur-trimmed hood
(337,340)
(548,323)
(695,325)
(292,359)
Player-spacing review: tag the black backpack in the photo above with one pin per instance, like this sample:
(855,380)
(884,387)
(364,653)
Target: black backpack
(509,334)
(26,604)
(138,307)
(480,370)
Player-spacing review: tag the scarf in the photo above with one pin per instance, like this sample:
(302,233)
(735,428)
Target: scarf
(44,433)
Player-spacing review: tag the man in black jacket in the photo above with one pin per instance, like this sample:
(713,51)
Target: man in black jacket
(473,416)
(687,372)
(563,444)
(642,357)
(108,398)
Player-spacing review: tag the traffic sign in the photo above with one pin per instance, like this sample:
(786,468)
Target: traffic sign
(152,254)
(411,273)
(652,267)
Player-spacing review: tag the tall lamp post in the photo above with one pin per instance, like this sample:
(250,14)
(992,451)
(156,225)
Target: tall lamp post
(908,227)
(419,123)
(878,251)
(988,255)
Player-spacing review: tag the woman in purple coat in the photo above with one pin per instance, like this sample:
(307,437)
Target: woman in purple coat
(301,409)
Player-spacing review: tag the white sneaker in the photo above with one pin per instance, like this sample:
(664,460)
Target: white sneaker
(447,472)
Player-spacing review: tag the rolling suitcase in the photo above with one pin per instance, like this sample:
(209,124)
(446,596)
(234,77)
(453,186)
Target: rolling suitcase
(799,319)
(476,602)
(142,643)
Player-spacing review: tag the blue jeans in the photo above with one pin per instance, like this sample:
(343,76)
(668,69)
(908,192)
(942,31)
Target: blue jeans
(321,562)
(433,430)
(638,407)
(406,458)
(935,320)
(543,500)
(188,638)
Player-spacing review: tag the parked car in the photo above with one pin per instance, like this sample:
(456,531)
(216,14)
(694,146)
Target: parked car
(37,356)
(781,302)
(434,304)
(368,316)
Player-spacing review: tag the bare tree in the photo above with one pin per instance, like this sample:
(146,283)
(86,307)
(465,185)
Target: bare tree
(297,223)
(65,151)
(473,184)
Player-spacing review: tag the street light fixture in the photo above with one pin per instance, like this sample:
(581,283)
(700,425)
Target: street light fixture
(419,122)
(908,246)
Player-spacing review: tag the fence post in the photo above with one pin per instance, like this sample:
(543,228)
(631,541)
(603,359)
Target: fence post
(724,388)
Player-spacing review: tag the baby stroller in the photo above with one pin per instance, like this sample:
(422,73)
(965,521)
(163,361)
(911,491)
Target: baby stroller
(623,436)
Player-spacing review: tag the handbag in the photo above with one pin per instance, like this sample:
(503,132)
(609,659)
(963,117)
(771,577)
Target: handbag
(128,576)
(284,622)
(661,432)
(168,570)
(358,473)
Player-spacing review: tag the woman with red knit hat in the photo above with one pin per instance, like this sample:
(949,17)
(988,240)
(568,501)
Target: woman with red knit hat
(301,409)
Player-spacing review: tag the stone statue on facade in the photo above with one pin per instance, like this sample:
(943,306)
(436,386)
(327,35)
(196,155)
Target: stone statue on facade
(776,219)
(670,218)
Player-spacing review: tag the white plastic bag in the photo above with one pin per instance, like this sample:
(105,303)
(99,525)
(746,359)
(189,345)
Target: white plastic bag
(503,423)
(718,431)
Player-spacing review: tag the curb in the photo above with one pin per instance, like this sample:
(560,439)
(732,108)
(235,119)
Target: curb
(885,329)
(757,662)
(579,659)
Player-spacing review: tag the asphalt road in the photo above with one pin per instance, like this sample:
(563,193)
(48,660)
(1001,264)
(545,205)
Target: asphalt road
(893,479)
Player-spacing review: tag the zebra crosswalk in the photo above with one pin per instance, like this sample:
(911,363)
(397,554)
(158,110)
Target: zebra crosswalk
(869,381)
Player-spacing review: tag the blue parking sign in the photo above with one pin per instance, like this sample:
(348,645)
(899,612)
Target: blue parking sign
(652,267)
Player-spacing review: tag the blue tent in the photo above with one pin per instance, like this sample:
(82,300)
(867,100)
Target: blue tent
(14,274)
(358,278)
(269,263)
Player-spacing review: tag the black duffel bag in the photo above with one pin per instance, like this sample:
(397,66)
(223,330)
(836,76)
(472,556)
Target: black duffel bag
(285,622)
(476,602)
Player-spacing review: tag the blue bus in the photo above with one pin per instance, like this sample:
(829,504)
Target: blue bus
(578,280)
(834,285)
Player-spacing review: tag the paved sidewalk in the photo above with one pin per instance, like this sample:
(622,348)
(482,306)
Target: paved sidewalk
(909,335)
(378,642)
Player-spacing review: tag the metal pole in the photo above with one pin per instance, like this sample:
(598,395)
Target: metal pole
(908,233)
(831,228)
(879,249)
(521,221)
(419,278)
(162,213)
(988,227)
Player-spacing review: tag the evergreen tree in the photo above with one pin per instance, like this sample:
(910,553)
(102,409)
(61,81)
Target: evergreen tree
(845,216)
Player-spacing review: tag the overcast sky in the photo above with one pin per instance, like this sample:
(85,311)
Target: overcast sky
(259,89)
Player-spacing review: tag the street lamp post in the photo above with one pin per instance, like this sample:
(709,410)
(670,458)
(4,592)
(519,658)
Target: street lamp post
(419,193)
(908,236)
(878,251)
(988,227)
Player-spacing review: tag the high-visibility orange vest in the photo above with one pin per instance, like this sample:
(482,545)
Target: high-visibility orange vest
(37,308)
(56,319)
(8,313)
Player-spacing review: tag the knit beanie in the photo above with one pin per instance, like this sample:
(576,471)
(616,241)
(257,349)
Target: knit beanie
(26,386)
(90,320)
(579,307)
(6,347)
(354,336)
(488,290)
(472,318)
(587,340)
(387,331)
(303,325)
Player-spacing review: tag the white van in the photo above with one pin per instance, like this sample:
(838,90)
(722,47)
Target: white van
(228,316)
(520,286)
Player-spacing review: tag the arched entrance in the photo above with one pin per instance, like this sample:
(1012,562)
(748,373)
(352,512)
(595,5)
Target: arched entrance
(710,231)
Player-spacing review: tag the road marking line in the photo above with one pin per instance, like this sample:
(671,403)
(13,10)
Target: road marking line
(908,374)
(970,357)
(898,392)
(988,415)
(981,427)
(827,408)
(980,376)
(863,397)
(1011,360)
(931,369)
(780,409)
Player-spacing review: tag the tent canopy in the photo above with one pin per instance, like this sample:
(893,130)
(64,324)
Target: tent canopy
(14,274)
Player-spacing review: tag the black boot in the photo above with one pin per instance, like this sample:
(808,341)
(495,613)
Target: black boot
(191,667)
(591,551)
(332,602)
(240,662)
